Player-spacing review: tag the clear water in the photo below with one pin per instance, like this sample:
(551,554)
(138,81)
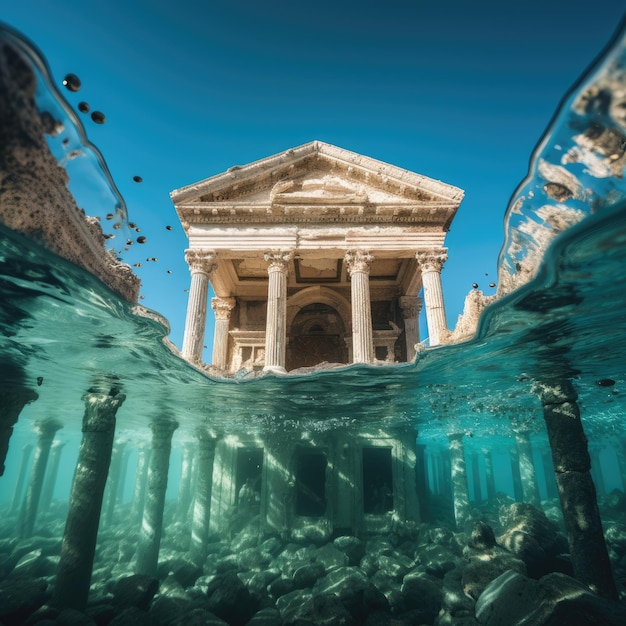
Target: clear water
(60,327)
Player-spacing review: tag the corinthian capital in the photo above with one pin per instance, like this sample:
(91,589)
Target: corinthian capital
(201,261)
(432,260)
(410,306)
(223,307)
(358,261)
(278,260)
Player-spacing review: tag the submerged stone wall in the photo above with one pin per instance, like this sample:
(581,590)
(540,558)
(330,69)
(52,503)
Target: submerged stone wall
(34,198)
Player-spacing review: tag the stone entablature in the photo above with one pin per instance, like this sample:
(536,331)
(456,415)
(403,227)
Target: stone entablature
(336,223)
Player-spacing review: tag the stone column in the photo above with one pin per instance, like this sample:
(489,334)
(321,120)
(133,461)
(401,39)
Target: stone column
(152,524)
(141,478)
(13,399)
(358,263)
(421,481)
(21,477)
(276,324)
(46,430)
(411,307)
(222,308)
(277,506)
(530,490)
(459,480)
(202,264)
(516,477)
(431,263)
(596,469)
(548,474)
(572,466)
(476,478)
(113,482)
(51,475)
(491,482)
(200,519)
(81,529)
(184,487)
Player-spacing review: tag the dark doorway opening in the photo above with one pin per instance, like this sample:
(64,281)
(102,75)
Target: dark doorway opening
(248,481)
(311,483)
(377,481)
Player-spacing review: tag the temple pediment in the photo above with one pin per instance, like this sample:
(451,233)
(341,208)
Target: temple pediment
(317,182)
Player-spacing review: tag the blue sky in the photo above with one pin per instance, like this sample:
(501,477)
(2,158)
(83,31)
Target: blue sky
(460,91)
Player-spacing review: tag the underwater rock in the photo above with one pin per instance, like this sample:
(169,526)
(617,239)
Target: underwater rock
(136,590)
(482,536)
(266,617)
(186,573)
(230,600)
(436,560)
(352,547)
(72,617)
(319,610)
(484,567)
(421,594)
(21,598)
(132,616)
(308,575)
(554,599)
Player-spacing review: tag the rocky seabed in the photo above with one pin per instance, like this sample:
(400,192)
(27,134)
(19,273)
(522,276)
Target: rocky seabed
(512,570)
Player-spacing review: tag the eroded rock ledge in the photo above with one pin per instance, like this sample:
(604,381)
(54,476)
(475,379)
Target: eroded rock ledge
(34,198)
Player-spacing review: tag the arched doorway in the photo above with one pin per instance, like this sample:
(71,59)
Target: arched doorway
(316,335)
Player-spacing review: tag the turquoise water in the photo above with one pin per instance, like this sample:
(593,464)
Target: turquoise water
(60,327)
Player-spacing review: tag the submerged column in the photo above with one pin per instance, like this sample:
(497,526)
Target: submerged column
(21,477)
(152,524)
(202,264)
(548,474)
(576,490)
(222,308)
(202,504)
(530,490)
(141,478)
(51,474)
(73,578)
(410,307)
(276,323)
(491,482)
(184,487)
(476,478)
(358,263)
(518,490)
(431,263)
(113,481)
(596,469)
(13,399)
(278,504)
(46,430)
(459,479)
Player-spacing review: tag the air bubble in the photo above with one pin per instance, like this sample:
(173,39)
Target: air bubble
(98,117)
(71,82)
(141,239)
(138,179)
(83,107)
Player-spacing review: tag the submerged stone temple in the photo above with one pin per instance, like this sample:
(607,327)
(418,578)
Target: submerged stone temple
(317,256)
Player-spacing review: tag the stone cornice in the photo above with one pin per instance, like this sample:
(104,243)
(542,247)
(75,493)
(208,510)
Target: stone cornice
(357,166)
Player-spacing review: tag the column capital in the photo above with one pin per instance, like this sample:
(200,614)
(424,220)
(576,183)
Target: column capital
(163,428)
(201,261)
(410,306)
(358,261)
(431,260)
(223,307)
(278,260)
(47,428)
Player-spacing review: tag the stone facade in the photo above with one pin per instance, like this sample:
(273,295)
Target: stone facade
(316,255)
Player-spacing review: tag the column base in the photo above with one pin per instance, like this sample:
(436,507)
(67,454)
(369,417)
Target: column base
(274,369)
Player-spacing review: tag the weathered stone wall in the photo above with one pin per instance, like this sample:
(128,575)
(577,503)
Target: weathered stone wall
(34,198)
